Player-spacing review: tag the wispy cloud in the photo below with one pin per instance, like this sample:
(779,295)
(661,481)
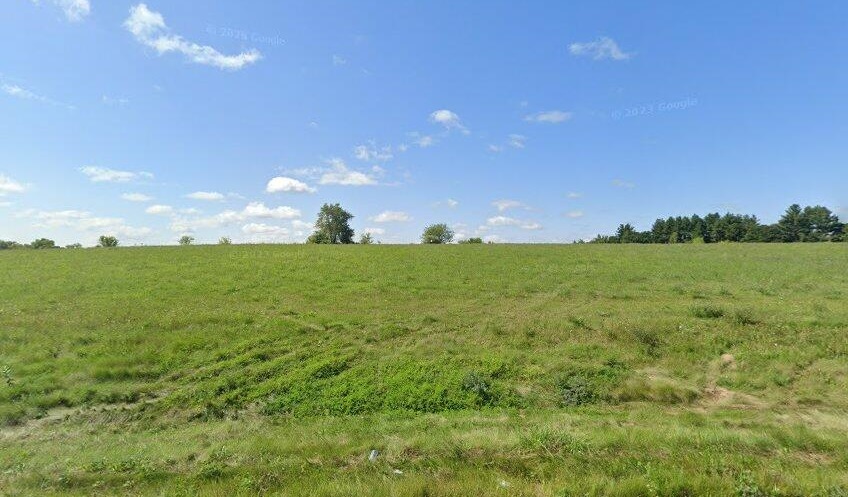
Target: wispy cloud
(106,175)
(340,174)
(574,195)
(207,196)
(8,185)
(506,204)
(160,210)
(85,221)
(136,197)
(449,119)
(25,94)
(253,210)
(499,221)
(622,184)
(371,152)
(549,117)
(574,214)
(149,28)
(602,48)
(75,10)
(338,60)
(391,217)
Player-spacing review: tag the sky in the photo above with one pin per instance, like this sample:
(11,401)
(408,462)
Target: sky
(512,121)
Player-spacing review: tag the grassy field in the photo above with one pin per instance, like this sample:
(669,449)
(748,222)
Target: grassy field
(487,370)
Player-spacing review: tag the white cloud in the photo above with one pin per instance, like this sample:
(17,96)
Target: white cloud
(374,231)
(136,197)
(338,60)
(301,225)
(8,185)
(371,152)
(574,214)
(622,184)
(253,210)
(448,119)
(160,210)
(602,48)
(502,221)
(285,184)
(262,228)
(506,204)
(149,28)
(84,221)
(391,217)
(339,174)
(496,148)
(106,175)
(258,209)
(207,196)
(498,221)
(549,116)
(574,195)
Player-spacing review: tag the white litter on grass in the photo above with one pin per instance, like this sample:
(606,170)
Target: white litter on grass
(503,484)
(372,456)
(397,472)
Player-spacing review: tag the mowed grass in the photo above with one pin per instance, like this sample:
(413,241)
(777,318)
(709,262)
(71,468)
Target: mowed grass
(502,369)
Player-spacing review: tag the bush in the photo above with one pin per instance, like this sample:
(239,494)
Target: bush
(43,243)
(107,241)
(707,312)
(224,241)
(472,240)
(576,390)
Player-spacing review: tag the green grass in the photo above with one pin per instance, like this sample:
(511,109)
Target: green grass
(514,370)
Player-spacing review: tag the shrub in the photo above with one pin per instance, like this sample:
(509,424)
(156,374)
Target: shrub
(43,243)
(576,390)
(472,240)
(224,241)
(479,385)
(366,239)
(707,312)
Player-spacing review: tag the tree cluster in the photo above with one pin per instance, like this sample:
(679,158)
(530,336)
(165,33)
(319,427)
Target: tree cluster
(808,224)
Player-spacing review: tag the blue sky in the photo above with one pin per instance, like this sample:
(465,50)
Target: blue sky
(521,122)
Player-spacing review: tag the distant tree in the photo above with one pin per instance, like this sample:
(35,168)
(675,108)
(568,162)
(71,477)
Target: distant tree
(437,233)
(472,240)
(366,239)
(107,241)
(332,226)
(186,240)
(43,243)
(74,246)
(8,244)
(224,241)
(819,224)
(791,224)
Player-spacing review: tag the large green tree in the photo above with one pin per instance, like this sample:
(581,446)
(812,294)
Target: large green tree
(332,225)
(437,233)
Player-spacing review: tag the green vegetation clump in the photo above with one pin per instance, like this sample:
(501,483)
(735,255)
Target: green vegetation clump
(555,370)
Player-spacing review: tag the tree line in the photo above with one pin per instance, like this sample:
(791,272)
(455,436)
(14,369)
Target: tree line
(808,224)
